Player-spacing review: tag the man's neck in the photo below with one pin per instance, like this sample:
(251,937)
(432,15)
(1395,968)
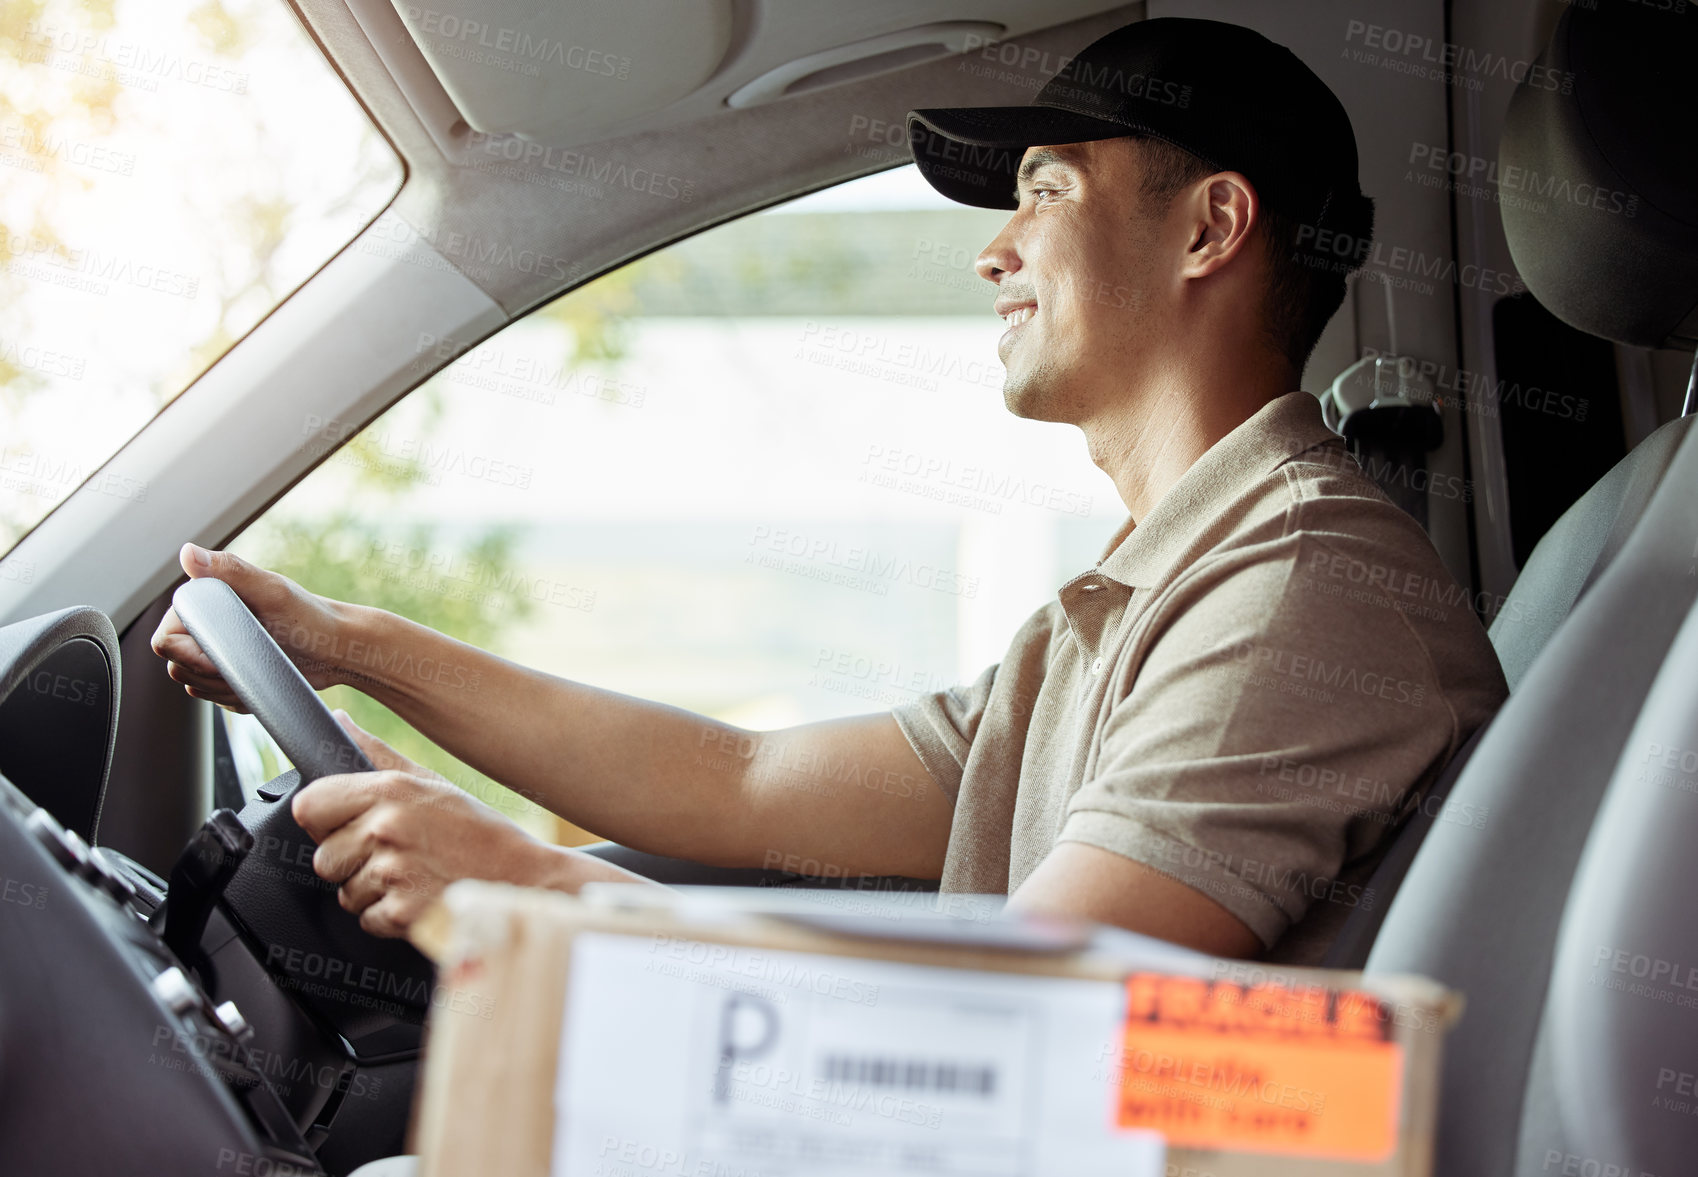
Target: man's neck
(1145,443)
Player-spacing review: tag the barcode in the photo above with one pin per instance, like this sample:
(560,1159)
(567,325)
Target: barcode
(911,1074)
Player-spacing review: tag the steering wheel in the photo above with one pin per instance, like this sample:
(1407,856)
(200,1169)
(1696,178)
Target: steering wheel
(373,992)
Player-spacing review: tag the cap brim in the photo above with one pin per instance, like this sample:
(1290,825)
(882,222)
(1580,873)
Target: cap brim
(971,154)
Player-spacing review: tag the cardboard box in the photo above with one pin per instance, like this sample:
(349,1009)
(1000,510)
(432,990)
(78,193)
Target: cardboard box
(635,1032)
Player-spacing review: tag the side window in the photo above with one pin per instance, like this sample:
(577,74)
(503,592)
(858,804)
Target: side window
(765,474)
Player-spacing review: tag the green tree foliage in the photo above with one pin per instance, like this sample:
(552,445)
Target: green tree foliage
(350,556)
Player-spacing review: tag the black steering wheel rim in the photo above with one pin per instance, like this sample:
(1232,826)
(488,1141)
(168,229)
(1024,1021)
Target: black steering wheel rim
(266,681)
(365,988)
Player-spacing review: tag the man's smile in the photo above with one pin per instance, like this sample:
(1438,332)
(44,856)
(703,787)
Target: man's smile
(1015,312)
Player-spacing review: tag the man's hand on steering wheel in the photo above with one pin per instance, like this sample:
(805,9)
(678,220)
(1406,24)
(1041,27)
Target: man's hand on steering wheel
(394,838)
(307,626)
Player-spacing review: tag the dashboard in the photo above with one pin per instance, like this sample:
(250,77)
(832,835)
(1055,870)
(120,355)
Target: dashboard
(158,1025)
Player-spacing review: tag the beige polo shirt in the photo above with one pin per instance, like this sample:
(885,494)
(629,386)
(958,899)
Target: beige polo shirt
(1248,689)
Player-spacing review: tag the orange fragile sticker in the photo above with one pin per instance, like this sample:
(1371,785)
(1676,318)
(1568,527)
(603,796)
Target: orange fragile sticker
(1260,1068)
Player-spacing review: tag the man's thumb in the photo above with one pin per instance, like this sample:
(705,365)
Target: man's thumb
(379,753)
(198,562)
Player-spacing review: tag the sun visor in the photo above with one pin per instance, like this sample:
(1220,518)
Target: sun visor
(569,72)
(560,72)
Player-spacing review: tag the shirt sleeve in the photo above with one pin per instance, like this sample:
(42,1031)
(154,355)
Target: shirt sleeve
(940,727)
(1272,733)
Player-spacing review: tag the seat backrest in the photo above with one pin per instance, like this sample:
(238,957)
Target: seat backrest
(1577,549)
(1481,903)
(1621,1015)
(1570,557)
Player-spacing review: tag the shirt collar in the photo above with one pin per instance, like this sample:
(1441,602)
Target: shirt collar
(1141,553)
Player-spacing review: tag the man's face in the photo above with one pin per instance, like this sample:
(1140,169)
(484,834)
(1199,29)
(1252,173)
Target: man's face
(1080,280)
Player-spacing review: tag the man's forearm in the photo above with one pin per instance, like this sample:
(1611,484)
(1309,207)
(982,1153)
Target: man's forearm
(611,763)
(570,869)
(654,777)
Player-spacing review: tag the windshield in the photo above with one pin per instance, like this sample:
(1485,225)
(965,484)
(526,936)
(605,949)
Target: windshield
(169,171)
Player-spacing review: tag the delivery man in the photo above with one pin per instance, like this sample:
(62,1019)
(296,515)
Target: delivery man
(1205,737)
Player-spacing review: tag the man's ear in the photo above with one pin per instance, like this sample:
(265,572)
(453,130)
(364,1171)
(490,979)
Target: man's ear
(1224,212)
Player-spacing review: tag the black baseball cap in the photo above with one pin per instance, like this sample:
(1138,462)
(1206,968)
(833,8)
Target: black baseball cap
(1223,92)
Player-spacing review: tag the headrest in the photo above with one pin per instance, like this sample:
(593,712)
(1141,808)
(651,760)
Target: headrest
(1598,173)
